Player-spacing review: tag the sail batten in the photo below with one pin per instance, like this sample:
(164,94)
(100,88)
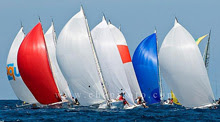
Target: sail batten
(183,69)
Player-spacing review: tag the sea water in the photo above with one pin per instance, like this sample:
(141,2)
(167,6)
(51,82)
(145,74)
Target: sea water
(9,112)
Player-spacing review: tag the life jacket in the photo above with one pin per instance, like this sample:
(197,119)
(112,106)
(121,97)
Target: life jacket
(121,98)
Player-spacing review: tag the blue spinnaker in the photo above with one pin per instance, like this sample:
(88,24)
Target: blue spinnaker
(145,61)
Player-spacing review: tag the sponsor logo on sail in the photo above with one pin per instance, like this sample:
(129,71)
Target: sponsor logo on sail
(12,71)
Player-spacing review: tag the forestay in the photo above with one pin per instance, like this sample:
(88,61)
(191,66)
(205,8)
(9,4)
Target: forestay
(17,84)
(145,60)
(110,62)
(126,59)
(77,62)
(183,68)
(50,39)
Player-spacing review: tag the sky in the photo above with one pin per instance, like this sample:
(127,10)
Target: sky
(137,18)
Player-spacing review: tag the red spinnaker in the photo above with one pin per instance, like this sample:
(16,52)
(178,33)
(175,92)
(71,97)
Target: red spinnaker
(35,69)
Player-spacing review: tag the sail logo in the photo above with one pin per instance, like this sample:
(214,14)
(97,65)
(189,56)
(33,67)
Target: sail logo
(12,72)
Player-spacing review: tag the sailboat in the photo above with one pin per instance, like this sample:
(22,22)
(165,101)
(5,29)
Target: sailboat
(183,69)
(34,67)
(145,60)
(78,63)
(110,62)
(50,39)
(14,77)
(126,59)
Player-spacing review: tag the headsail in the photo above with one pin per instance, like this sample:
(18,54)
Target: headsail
(183,68)
(17,84)
(76,59)
(206,53)
(175,100)
(126,59)
(110,62)
(61,82)
(200,39)
(35,69)
(145,60)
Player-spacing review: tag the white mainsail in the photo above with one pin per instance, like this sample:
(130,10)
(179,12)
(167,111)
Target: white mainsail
(183,68)
(18,85)
(127,64)
(76,59)
(110,62)
(61,82)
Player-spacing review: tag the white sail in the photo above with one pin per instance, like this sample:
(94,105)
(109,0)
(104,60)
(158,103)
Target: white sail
(61,82)
(126,59)
(77,62)
(18,85)
(183,68)
(110,62)
(206,53)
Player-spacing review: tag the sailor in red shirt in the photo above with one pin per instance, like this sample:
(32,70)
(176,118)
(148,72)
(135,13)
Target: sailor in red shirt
(121,98)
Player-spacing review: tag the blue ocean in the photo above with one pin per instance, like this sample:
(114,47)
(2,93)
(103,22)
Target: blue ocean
(9,112)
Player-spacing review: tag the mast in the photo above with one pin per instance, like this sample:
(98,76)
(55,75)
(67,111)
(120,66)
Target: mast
(206,54)
(160,81)
(107,97)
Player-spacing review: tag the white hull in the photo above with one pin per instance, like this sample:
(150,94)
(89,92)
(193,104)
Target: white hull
(205,106)
(113,105)
(134,106)
(118,105)
(166,103)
